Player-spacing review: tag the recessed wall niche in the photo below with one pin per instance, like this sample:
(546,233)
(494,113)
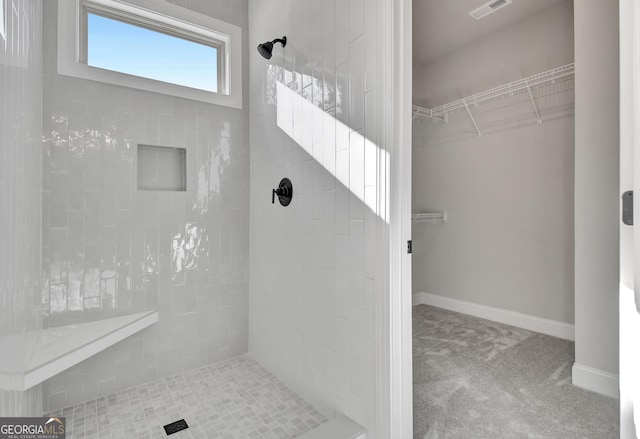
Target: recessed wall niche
(162,168)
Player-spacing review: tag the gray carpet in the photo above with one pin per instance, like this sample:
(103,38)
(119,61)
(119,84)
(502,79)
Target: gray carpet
(476,379)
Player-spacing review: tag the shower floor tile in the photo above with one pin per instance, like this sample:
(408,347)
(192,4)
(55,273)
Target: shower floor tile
(232,399)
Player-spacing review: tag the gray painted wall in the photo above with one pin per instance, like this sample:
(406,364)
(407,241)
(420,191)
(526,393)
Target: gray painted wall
(597,184)
(509,194)
(20,185)
(107,246)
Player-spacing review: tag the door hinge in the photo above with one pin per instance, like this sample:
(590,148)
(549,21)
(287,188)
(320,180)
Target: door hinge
(409,247)
(627,208)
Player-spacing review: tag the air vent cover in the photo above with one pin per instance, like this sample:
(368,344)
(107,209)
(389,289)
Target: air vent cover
(489,8)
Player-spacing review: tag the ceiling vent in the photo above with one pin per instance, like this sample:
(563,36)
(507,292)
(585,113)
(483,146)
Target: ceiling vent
(489,8)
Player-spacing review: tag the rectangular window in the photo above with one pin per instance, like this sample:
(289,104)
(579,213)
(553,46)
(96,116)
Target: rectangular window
(134,50)
(151,45)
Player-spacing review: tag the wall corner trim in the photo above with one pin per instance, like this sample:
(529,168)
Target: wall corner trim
(532,323)
(596,380)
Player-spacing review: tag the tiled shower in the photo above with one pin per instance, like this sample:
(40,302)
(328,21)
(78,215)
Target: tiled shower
(108,248)
(293,289)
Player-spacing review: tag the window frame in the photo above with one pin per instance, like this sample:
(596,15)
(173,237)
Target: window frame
(3,21)
(159,17)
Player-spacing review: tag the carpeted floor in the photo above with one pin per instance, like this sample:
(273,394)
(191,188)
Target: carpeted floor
(476,379)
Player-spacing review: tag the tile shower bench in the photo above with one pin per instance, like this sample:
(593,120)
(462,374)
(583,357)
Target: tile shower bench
(30,358)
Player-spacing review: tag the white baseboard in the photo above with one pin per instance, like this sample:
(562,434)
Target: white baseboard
(525,321)
(596,380)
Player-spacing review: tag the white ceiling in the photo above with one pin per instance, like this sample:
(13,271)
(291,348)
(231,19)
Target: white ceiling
(442,26)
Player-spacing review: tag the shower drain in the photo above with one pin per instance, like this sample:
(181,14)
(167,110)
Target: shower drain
(175,427)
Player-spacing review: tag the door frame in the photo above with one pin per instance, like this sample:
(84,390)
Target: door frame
(629,315)
(401,296)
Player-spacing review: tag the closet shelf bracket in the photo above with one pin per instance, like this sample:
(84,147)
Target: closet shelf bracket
(533,101)
(466,106)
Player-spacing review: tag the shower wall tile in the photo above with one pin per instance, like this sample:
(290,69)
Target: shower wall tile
(371,43)
(342,31)
(20,185)
(356,18)
(357,83)
(112,249)
(316,264)
(342,99)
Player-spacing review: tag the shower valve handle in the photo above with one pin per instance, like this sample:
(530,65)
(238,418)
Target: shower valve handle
(280,192)
(284,192)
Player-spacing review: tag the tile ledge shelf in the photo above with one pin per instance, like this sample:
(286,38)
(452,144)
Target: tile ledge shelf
(33,357)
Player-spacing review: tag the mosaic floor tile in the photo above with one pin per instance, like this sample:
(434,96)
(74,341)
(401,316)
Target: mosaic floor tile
(232,399)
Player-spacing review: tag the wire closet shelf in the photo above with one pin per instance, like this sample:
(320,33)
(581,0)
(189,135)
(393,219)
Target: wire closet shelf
(441,113)
(431,217)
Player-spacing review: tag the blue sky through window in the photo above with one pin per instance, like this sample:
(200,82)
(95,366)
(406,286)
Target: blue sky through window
(126,48)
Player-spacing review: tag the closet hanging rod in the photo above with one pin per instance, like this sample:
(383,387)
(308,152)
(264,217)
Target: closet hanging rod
(441,112)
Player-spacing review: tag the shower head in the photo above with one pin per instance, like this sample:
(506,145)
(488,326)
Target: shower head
(266,49)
